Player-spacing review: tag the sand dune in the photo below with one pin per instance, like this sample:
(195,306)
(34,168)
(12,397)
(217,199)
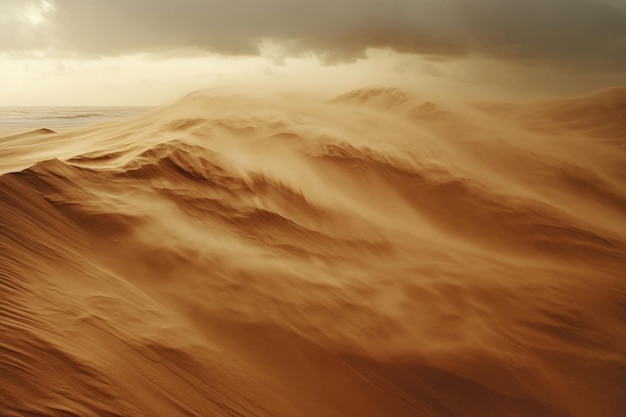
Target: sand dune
(377,254)
(600,115)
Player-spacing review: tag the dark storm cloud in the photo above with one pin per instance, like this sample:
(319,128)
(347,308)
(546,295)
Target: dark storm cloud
(574,32)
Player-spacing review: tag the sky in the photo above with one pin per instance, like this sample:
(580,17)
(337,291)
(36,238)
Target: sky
(151,52)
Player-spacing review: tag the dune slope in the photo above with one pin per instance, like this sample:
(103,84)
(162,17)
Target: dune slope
(378,254)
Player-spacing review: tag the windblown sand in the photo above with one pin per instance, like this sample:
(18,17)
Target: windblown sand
(379,254)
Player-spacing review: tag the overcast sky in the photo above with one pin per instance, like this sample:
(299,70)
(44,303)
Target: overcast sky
(151,51)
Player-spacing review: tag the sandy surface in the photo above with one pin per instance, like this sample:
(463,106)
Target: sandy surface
(381,254)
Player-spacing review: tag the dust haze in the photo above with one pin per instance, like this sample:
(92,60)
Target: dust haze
(377,253)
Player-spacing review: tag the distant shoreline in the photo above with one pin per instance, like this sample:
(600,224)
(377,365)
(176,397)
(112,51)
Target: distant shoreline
(20,119)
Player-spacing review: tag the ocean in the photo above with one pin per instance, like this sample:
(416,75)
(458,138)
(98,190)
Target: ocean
(24,119)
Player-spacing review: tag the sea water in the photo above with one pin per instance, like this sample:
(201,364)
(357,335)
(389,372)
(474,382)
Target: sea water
(25,119)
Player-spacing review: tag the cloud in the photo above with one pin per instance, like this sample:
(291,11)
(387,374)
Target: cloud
(576,33)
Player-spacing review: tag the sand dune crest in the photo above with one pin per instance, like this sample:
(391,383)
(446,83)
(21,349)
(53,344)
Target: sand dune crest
(378,254)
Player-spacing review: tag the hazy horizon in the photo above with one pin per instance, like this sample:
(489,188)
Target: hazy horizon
(52,52)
